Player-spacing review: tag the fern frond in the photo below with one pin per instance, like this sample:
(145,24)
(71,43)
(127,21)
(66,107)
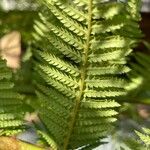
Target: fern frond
(113,24)
(74,13)
(55,95)
(11,132)
(80,2)
(134,144)
(111,42)
(65,35)
(106,83)
(48,140)
(107,56)
(107,10)
(11,104)
(133,7)
(82,71)
(146,130)
(103,94)
(139,86)
(59,63)
(62,46)
(60,87)
(69,23)
(114,69)
(143,143)
(144,137)
(55,74)
(6,85)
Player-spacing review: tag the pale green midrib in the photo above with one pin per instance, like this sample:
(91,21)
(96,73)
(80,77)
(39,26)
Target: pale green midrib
(82,81)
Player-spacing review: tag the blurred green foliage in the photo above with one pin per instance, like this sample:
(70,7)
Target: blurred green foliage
(21,21)
(20,18)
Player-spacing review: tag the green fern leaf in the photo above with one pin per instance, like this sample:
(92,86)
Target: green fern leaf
(48,140)
(114,69)
(74,13)
(59,63)
(11,104)
(64,19)
(80,2)
(81,71)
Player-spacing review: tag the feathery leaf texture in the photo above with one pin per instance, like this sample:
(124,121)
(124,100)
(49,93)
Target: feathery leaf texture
(139,77)
(143,141)
(48,140)
(145,137)
(142,64)
(80,56)
(11,104)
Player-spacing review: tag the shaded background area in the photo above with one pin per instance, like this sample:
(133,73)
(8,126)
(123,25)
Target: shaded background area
(145,23)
